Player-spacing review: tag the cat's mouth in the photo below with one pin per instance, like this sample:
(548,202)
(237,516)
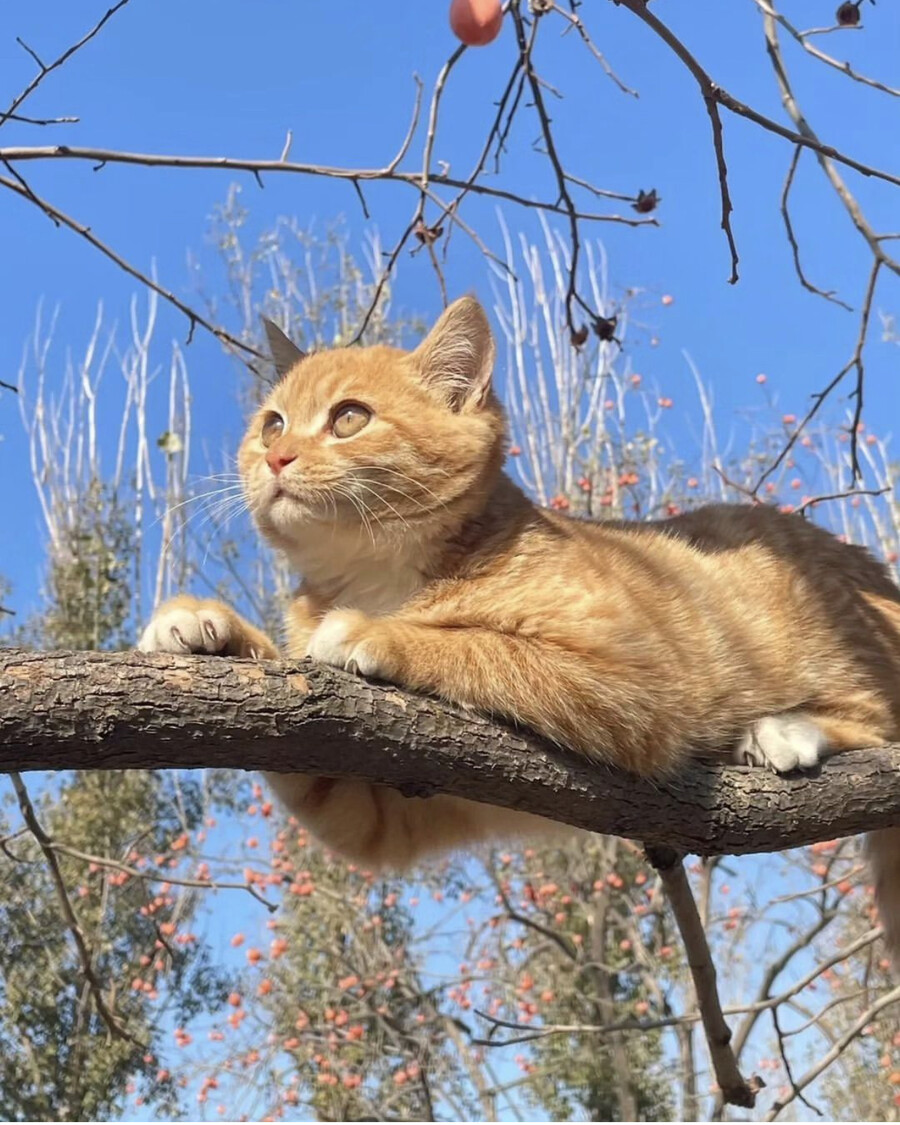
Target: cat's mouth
(281,503)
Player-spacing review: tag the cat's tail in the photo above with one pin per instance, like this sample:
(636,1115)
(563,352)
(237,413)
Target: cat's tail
(883,850)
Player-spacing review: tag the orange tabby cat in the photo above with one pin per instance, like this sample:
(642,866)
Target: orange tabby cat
(378,473)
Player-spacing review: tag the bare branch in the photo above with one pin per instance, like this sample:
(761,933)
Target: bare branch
(735,1089)
(163,877)
(803,39)
(632,1024)
(795,249)
(15,153)
(57,62)
(87,960)
(577,23)
(846,495)
(194,318)
(855,361)
(787,1065)
(835,1052)
(526,50)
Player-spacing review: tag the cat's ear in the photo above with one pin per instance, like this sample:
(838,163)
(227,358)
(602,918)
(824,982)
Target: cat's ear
(456,358)
(285,353)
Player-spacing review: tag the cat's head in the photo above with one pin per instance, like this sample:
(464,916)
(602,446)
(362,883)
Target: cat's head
(377,439)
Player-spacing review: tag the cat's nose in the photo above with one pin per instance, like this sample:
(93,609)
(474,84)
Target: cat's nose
(277,459)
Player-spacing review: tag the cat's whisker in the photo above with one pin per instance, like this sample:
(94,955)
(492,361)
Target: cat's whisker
(423,508)
(387,504)
(372,484)
(209,504)
(171,509)
(220,512)
(405,476)
(361,510)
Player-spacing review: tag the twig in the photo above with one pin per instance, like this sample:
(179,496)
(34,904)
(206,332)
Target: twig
(560,940)
(787,1066)
(836,1051)
(857,392)
(713,96)
(413,125)
(47,847)
(819,887)
(57,62)
(843,67)
(23,183)
(820,396)
(526,47)
(194,318)
(773,971)
(163,877)
(576,23)
(741,109)
(734,1088)
(25,120)
(825,157)
(641,1026)
(848,494)
(413,180)
(795,249)
(382,282)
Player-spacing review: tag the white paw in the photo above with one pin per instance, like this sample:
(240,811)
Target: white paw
(336,641)
(184,630)
(783,743)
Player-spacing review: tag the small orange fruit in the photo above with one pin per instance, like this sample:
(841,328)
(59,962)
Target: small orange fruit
(476,22)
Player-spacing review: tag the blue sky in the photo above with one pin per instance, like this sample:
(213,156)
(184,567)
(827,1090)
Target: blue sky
(232,77)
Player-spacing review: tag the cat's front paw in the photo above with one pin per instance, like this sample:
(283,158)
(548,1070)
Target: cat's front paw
(200,626)
(352,641)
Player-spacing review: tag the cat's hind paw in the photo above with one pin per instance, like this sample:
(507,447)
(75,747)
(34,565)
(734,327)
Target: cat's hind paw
(782,743)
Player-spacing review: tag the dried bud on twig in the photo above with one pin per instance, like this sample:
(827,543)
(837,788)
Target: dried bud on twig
(646,202)
(426,235)
(605,327)
(848,14)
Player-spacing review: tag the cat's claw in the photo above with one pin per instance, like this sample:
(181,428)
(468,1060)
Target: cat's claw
(178,630)
(337,641)
(783,743)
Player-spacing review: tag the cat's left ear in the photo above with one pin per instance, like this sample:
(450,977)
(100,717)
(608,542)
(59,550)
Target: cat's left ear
(285,353)
(456,358)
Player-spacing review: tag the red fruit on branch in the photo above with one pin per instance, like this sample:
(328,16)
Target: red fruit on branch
(476,22)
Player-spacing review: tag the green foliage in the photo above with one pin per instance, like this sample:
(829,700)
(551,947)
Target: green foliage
(88,588)
(60,1060)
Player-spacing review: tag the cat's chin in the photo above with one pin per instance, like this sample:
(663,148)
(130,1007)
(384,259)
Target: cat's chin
(284,518)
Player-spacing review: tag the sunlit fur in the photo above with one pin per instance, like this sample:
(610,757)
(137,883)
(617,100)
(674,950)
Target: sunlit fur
(636,644)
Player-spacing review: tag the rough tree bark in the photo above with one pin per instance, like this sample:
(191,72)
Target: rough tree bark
(130,711)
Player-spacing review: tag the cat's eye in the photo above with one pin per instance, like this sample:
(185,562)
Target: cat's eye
(272,428)
(349,418)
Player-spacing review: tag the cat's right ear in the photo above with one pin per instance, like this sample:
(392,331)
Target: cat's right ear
(456,358)
(285,353)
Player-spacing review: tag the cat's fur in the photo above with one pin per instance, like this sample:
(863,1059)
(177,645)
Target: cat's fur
(730,628)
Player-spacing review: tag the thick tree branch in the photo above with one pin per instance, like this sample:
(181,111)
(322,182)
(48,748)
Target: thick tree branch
(130,711)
